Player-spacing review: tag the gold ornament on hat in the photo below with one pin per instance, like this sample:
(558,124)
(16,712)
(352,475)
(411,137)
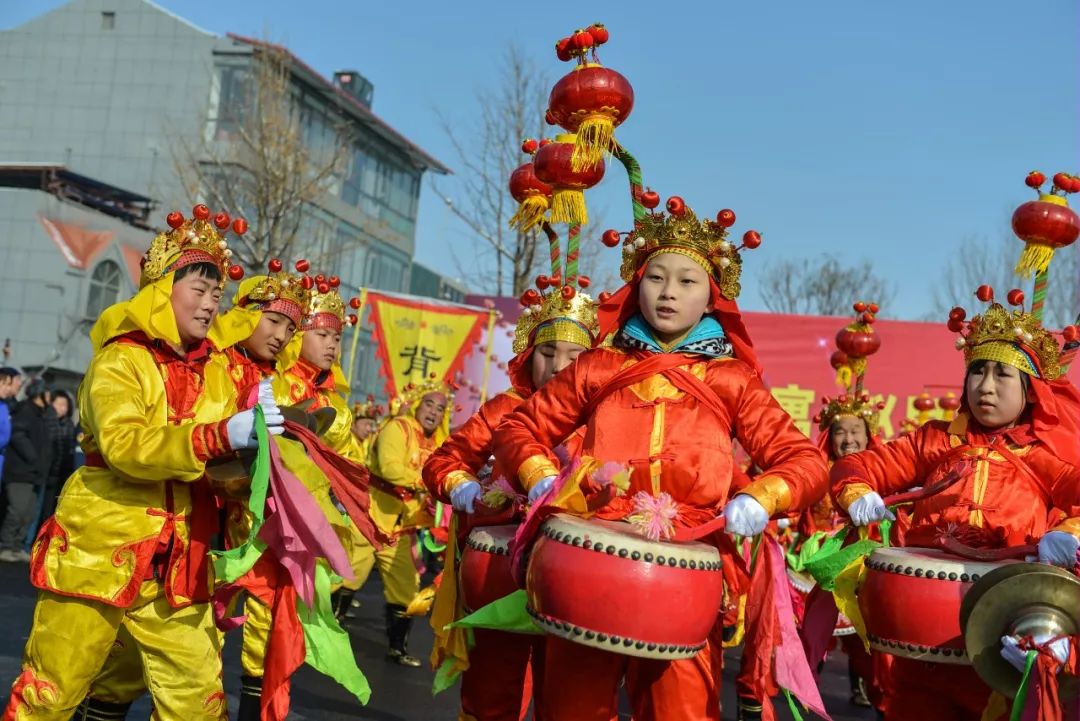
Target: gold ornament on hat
(199,239)
(279,291)
(369,409)
(413,393)
(326,308)
(564,314)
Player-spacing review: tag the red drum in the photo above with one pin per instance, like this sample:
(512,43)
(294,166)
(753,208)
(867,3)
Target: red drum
(911,600)
(804,583)
(601,584)
(484,574)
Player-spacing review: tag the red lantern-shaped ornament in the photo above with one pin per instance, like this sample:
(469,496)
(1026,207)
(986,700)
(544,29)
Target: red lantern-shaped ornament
(858,341)
(554,166)
(924,403)
(1044,225)
(533,196)
(591,101)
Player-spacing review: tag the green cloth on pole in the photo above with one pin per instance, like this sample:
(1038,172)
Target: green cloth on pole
(1025,683)
(234,563)
(327,645)
(506,614)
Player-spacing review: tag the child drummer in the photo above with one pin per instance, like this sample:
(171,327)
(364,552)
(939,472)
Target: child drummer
(678,382)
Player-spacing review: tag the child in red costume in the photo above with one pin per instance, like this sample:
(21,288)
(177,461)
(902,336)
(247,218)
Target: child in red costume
(665,399)
(1014,442)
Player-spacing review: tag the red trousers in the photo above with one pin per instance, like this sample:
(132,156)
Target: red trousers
(581,684)
(921,691)
(497,685)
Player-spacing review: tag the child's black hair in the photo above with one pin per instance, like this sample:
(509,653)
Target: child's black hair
(202,270)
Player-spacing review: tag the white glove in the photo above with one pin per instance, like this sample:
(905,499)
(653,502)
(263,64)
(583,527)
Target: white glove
(868,508)
(783,523)
(541,488)
(1017,657)
(1058,548)
(271,412)
(241,427)
(464,495)
(745,516)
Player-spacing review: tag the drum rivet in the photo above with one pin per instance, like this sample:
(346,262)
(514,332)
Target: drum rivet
(662,649)
(908,570)
(601,637)
(682,563)
(611,550)
(623,553)
(628,642)
(636,555)
(947,651)
(941,575)
(590,635)
(918,573)
(964,577)
(975,577)
(952,576)
(587,545)
(639,645)
(661,560)
(577,540)
(599,548)
(615,640)
(672,562)
(891,567)
(651,647)
(693,565)
(649,557)
(576,630)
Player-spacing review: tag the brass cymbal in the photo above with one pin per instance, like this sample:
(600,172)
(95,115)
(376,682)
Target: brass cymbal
(1039,599)
(318,422)
(988,581)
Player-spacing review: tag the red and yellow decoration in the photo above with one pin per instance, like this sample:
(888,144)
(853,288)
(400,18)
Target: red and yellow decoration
(199,239)
(554,166)
(326,307)
(1046,224)
(532,194)
(856,342)
(553,313)
(279,292)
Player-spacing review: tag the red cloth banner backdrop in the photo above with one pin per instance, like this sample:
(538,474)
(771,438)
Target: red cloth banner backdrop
(794,351)
(418,339)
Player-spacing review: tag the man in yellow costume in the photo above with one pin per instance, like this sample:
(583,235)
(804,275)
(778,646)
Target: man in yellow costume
(127,548)
(366,423)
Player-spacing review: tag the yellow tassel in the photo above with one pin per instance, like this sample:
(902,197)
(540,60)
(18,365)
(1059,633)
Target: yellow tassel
(422,602)
(1034,259)
(568,206)
(594,139)
(529,213)
(843,377)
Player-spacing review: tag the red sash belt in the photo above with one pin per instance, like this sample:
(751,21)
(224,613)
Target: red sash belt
(399,492)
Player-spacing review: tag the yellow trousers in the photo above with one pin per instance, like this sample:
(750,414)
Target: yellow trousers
(400,580)
(256,636)
(179,651)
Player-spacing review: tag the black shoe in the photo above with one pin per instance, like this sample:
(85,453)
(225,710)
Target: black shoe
(397,633)
(858,694)
(92,709)
(340,602)
(749,710)
(250,699)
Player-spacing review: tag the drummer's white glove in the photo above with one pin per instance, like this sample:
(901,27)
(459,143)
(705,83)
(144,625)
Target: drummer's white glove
(241,427)
(1017,657)
(745,516)
(463,496)
(541,488)
(868,508)
(783,523)
(1058,548)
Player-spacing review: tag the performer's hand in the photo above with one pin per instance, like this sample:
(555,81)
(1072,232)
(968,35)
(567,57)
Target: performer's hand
(783,523)
(869,508)
(463,496)
(1017,657)
(1058,548)
(271,412)
(541,488)
(745,516)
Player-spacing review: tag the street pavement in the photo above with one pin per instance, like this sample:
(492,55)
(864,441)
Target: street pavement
(398,693)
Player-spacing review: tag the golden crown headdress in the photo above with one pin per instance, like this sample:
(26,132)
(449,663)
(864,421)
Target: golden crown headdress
(413,393)
(680,231)
(326,308)
(189,241)
(279,291)
(855,343)
(560,314)
(369,409)
(1015,337)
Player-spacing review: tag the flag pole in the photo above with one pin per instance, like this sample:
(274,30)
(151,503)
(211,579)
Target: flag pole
(356,336)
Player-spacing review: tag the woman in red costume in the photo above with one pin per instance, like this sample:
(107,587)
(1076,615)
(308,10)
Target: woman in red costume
(678,382)
(548,338)
(1014,446)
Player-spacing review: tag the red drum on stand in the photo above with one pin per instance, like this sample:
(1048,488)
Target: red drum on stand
(601,584)
(911,601)
(484,574)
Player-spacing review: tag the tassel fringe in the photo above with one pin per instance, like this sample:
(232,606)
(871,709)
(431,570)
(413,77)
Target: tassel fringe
(1035,259)
(595,137)
(568,206)
(530,213)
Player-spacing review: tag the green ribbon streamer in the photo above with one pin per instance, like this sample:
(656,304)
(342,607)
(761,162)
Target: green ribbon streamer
(506,614)
(234,563)
(797,561)
(426,537)
(446,676)
(1021,693)
(327,645)
(794,707)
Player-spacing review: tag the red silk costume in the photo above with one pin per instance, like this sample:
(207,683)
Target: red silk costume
(677,442)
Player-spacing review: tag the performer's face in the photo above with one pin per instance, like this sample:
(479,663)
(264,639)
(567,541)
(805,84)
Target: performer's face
(320,347)
(271,335)
(195,299)
(673,296)
(996,393)
(430,411)
(550,358)
(363,427)
(848,435)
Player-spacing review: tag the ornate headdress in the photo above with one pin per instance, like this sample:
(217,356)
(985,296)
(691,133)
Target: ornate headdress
(564,314)
(326,308)
(413,393)
(368,409)
(279,291)
(198,240)
(855,342)
(1008,336)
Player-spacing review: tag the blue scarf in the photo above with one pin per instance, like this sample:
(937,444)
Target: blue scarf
(707,338)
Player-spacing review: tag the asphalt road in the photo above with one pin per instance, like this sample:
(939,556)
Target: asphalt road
(398,694)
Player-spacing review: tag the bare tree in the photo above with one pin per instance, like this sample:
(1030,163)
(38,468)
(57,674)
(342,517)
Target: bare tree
(981,261)
(262,157)
(821,286)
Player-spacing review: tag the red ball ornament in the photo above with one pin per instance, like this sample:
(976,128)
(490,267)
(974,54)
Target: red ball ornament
(584,281)
(530,146)
(1034,179)
(334,281)
(1015,297)
(222,220)
(307,282)
(725,218)
(610,238)
(676,206)
(240,226)
(751,239)
(531,297)
(924,402)
(175,219)
(236,272)
(873,307)
(324,287)
(302,266)
(955,325)
(1061,180)
(353,320)
(650,198)
(274,265)
(957,313)
(320,278)
(354,303)
(542,282)
(859,307)
(1070,333)
(858,343)
(599,33)
(581,40)
(200,212)
(837,360)
(985,293)
(868,317)
(1048,221)
(563,50)
(568,292)
(604,297)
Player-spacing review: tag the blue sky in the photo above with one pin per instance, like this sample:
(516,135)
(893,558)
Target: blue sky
(888,131)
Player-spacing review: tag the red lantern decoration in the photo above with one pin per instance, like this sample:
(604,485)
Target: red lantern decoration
(553,165)
(175,219)
(1044,225)
(924,403)
(240,226)
(949,402)
(222,220)
(858,342)
(532,195)
(591,101)
(236,272)
(838,360)
(200,212)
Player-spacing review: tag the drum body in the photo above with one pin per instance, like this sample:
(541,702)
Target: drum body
(601,584)
(484,574)
(911,601)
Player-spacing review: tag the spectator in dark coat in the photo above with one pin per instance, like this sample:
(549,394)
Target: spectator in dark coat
(10,382)
(26,468)
(63,463)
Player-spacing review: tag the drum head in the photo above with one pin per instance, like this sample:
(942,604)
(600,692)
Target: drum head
(1040,598)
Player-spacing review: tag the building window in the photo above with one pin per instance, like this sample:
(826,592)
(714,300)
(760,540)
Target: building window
(108,20)
(104,288)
